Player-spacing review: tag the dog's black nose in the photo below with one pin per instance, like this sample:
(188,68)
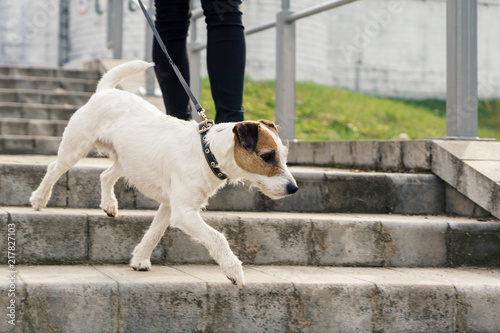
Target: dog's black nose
(291,188)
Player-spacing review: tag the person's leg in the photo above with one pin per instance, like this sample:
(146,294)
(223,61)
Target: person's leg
(226,56)
(172,22)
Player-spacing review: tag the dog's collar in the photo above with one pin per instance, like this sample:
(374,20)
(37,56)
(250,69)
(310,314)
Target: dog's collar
(204,126)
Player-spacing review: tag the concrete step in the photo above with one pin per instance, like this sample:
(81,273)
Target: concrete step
(57,96)
(36,111)
(322,190)
(33,144)
(47,83)
(49,72)
(274,299)
(42,127)
(471,167)
(258,238)
(29,144)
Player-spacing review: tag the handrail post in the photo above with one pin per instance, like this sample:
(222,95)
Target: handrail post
(115,27)
(285,72)
(461,53)
(150,73)
(194,55)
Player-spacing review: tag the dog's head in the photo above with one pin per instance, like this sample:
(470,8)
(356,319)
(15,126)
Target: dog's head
(259,152)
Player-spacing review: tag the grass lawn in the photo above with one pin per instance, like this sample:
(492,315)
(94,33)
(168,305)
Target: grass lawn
(326,113)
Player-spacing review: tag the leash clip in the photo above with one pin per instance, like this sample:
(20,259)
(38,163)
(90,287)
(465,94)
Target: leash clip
(201,112)
(206,124)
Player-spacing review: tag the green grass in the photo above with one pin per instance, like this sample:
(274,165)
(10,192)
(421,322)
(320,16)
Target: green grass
(326,113)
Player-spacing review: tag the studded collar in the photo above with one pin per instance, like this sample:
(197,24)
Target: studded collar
(204,127)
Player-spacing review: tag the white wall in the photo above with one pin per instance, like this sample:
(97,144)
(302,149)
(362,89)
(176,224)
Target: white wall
(89,33)
(383,47)
(29,32)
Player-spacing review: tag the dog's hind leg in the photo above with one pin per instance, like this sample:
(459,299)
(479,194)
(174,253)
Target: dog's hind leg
(142,252)
(71,150)
(108,199)
(41,196)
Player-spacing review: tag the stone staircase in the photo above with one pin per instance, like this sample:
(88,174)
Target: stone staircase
(351,251)
(35,104)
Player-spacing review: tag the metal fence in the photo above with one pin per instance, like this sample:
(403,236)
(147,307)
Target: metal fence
(461,106)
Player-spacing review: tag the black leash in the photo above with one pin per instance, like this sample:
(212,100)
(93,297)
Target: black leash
(206,124)
(197,105)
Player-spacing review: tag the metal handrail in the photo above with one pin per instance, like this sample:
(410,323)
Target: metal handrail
(198,47)
(260,28)
(317,9)
(198,13)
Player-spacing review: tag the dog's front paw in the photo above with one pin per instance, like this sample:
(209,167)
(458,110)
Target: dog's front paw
(110,208)
(36,202)
(140,265)
(235,274)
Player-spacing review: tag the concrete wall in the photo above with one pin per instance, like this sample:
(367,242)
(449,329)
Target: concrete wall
(29,32)
(382,47)
(89,33)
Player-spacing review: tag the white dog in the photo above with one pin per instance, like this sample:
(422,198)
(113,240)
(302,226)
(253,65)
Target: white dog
(166,160)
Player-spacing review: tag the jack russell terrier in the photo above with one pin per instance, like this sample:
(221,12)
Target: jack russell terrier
(165,159)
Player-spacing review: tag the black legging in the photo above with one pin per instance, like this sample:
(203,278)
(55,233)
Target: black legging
(225,56)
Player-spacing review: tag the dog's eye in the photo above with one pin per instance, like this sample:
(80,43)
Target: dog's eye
(268,157)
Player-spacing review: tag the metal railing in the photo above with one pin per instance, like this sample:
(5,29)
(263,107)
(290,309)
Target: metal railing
(115,28)
(461,99)
(461,63)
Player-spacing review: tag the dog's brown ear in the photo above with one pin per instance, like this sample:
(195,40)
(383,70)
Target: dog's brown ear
(269,124)
(247,134)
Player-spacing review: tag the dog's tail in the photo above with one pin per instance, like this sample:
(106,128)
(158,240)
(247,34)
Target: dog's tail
(113,77)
